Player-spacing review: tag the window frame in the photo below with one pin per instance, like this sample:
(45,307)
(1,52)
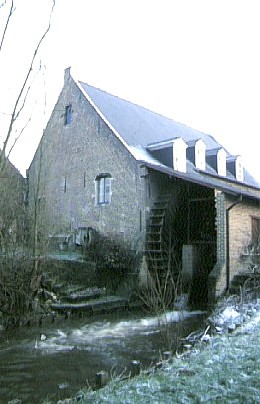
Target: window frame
(103,189)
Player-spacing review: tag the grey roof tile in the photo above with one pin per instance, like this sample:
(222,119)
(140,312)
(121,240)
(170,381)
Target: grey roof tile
(139,127)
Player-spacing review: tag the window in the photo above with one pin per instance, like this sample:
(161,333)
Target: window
(68,115)
(103,189)
(256,234)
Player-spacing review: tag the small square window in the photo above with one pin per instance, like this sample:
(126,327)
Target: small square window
(68,115)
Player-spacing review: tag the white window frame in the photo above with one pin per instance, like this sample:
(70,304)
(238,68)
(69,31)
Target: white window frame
(103,189)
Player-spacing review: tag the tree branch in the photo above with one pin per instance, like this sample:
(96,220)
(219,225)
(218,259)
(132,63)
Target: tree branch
(16,113)
(7,23)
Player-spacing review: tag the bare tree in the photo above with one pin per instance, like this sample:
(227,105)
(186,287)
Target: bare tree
(14,297)
(11,10)
(17,269)
(39,227)
(25,88)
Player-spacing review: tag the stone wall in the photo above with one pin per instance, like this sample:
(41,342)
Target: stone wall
(65,166)
(13,191)
(62,186)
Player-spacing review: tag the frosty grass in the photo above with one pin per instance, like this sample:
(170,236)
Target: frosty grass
(222,369)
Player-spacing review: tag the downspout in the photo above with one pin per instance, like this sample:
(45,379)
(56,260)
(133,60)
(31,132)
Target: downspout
(228,243)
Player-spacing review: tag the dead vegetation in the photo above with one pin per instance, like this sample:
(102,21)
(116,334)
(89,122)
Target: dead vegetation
(19,271)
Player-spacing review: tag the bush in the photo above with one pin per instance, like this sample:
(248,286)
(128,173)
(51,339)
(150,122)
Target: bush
(114,261)
(16,294)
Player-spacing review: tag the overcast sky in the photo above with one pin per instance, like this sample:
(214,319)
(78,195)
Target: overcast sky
(196,61)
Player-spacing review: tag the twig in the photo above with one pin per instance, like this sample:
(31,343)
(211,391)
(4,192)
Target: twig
(7,22)
(16,111)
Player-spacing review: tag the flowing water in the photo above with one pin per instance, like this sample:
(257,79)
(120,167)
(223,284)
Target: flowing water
(57,360)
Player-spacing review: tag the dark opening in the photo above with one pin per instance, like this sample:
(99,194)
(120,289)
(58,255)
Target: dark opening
(68,115)
(201,234)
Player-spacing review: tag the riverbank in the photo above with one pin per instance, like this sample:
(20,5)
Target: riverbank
(222,365)
(55,361)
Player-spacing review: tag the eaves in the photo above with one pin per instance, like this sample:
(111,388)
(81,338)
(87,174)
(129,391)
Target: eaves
(207,180)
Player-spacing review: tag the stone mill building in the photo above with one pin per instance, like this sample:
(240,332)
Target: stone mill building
(163,189)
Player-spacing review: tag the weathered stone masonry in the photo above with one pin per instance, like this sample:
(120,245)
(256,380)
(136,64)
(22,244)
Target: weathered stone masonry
(73,155)
(77,154)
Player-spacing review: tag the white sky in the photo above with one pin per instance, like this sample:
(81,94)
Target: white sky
(196,61)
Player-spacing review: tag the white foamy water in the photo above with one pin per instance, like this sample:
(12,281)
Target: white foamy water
(92,335)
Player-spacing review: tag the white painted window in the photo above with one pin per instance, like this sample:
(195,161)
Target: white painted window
(103,189)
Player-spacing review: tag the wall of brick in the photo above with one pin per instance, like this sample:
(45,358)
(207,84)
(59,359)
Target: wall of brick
(239,237)
(218,275)
(240,220)
(66,164)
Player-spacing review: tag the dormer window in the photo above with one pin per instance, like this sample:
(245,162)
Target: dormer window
(196,153)
(216,158)
(171,153)
(239,169)
(222,163)
(179,155)
(68,115)
(235,167)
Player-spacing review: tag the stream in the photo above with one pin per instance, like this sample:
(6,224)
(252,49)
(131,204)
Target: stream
(57,360)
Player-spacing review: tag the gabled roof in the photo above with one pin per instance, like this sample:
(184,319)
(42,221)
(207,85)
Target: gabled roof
(139,127)
(192,143)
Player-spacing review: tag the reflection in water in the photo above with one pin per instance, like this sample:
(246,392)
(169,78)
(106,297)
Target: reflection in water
(41,362)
